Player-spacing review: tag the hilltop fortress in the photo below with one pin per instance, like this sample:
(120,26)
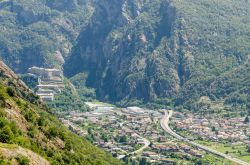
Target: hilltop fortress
(50,82)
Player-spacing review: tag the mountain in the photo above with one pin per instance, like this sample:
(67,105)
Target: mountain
(40,32)
(29,133)
(162,51)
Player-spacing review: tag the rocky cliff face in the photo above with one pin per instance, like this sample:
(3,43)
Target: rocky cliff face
(121,50)
(7,72)
(149,50)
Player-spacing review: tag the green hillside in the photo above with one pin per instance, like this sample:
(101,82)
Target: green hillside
(26,122)
(218,37)
(41,32)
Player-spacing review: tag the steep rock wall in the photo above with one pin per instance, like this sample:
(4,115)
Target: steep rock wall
(121,49)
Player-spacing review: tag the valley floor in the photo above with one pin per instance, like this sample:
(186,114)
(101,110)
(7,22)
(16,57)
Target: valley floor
(134,134)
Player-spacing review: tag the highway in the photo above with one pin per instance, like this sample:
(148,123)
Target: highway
(166,128)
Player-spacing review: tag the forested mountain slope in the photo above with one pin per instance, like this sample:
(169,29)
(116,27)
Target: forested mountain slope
(40,32)
(150,50)
(135,51)
(30,134)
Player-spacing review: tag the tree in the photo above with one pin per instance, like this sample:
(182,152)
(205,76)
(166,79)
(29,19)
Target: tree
(11,92)
(6,135)
(151,144)
(123,139)
(22,160)
(248,107)
(2,113)
(42,121)
(248,149)
(2,99)
(71,128)
(68,145)
(52,132)
(246,120)
(29,116)
(143,161)
(135,162)
(89,130)
(104,137)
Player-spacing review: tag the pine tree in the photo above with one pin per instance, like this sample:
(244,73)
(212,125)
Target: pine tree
(246,120)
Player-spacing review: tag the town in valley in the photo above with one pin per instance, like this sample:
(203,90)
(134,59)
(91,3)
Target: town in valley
(139,135)
(135,134)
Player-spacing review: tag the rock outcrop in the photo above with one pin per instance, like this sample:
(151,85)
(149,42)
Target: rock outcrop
(13,151)
(7,72)
(163,49)
(120,51)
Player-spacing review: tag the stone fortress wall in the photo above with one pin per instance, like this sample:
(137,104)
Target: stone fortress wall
(50,82)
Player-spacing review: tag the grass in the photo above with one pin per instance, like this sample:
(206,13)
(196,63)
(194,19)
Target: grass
(217,160)
(98,103)
(103,104)
(9,146)
(238,151)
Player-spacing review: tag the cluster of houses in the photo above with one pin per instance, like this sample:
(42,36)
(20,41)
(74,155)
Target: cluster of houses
(134,124)
(159,153)
(156,151)
(231,129)
(73,127)
(50,82)
(143,122)
(115,122)
(120,149)
(110,124)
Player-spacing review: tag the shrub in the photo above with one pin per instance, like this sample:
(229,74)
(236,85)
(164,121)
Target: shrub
(11,92)
(6,135)
(3,122)
(14,128)
(22,160)
(29,116)
(52,132)
(41,121)
(2,113)
(2,98)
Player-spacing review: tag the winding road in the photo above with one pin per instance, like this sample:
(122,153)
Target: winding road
(166,128)
(146,144)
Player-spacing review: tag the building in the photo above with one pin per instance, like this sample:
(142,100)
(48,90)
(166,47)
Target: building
(45,73)
(50,82)
(46,97)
